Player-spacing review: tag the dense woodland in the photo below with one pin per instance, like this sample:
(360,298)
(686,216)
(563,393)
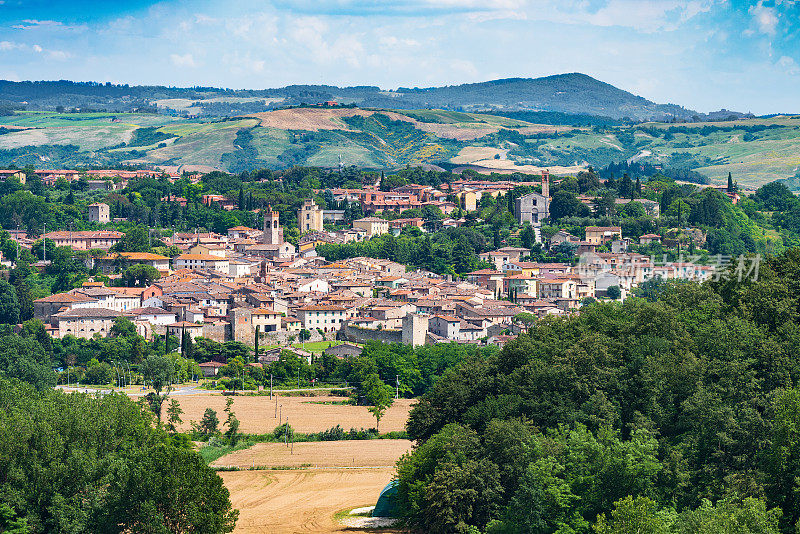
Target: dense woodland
(673,413)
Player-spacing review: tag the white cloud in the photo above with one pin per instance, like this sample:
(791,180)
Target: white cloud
(58,55)
(765,18)
(243,63)
(310,33)
(789,65)
(392,41)
(38,49)
(185,60)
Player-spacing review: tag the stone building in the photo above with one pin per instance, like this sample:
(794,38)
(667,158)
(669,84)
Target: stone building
(99,213)
(534,207)
(309,217)
(273,233)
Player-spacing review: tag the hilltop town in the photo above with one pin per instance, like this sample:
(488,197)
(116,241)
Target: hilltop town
(252,283)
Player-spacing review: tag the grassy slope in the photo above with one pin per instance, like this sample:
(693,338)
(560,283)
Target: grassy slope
(377,141)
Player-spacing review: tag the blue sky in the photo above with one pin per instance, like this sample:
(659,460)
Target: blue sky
(703,54)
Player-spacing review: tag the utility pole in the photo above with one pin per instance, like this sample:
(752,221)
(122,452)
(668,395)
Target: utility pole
(270,385)
(397,386)
(44,242)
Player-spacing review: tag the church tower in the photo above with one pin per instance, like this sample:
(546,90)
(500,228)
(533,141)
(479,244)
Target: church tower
(273,233)
(545,183)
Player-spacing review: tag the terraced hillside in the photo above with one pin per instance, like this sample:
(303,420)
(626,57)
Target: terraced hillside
(754,150)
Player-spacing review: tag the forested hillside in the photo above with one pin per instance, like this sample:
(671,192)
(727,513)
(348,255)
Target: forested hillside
(565,93)
(671,414)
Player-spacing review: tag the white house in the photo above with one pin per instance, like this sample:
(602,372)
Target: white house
(202,261)
(316,285)
(156,316)
(328,318)
(238,269)
(445,326)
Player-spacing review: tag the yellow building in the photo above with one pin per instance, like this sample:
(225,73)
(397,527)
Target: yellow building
(309,217)
(372,226)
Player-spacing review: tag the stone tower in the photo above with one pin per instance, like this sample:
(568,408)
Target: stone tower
(415,329)
(309,217)
(545,183)
(273,233)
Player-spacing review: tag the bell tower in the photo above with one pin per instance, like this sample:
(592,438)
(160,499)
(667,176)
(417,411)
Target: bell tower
(545,183)
(273,233)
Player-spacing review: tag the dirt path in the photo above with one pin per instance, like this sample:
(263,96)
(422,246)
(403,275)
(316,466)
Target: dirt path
(280,502)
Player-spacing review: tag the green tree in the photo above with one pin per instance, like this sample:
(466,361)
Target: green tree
(9,304)
(378,395)
(209,424)
(730,516)
(24,298)
(10,522)
(123,327)
(159,371)
(166,489)
(140,275)
(25,359)
(463,256)
(232,422)
(565,204)
(135,240)
(638,515)
(98,373)
(614,292)
(174,412)
(124,474)
(527,236)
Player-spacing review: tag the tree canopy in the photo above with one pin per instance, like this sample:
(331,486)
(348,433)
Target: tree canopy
(686,398)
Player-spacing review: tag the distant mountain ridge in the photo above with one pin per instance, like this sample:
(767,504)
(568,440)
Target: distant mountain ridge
(574,93)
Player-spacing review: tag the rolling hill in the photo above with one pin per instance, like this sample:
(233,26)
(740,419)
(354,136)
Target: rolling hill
(755,151)
(572,94)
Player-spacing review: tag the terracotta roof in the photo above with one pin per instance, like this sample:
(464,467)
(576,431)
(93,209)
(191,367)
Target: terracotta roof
(186,324)
(200,257)
(65,297)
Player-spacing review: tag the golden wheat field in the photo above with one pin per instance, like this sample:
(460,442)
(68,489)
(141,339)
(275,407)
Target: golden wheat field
(350,453)
(301,501)
(257,414)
